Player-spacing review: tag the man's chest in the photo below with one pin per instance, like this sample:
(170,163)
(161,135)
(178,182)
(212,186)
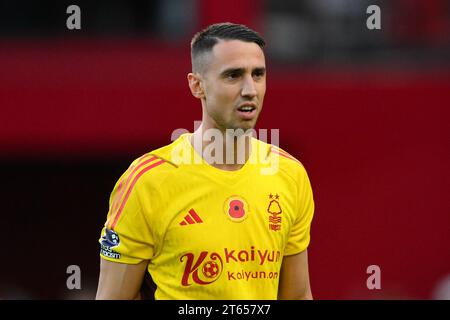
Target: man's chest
(204,215)
(211,229)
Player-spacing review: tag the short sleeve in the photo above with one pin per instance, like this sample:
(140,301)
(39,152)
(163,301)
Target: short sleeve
(299,236)
(126,236)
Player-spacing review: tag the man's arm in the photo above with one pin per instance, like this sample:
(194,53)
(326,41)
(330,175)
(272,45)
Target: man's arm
(294,278)
(120,281)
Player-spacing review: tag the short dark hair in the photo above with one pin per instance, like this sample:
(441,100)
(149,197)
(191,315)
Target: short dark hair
(207,38)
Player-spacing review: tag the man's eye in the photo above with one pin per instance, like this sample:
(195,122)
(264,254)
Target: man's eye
(233,75)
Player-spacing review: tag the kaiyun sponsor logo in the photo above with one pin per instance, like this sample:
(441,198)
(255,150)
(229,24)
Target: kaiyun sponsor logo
(207,267)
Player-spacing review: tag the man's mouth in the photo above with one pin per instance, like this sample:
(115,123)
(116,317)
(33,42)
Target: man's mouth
(247,111)
(247,108)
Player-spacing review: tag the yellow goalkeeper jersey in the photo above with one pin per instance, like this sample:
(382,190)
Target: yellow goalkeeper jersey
(208,233)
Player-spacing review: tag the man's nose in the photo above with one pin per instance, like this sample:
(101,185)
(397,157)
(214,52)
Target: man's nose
(248,87)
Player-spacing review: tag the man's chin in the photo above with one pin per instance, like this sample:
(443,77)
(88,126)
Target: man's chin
(244,127)
(240,127)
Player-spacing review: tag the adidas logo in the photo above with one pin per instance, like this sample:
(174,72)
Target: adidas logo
(191,218)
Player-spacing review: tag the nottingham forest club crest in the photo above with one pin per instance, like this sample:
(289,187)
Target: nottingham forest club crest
(274,209)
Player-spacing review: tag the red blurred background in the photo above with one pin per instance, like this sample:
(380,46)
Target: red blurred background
(372,134)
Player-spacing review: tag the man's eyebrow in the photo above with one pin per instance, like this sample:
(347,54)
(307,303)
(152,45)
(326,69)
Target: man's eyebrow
(232,70)
(260,69)
(241,70)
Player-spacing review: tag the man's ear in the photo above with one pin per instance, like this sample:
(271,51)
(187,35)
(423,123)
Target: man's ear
(195,84)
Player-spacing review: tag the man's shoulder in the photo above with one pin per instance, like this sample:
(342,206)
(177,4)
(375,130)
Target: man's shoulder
(285,162)
(286,158)
(168,151)
(153,165)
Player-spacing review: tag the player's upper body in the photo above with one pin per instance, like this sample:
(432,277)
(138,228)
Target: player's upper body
(208,233)
(205,228)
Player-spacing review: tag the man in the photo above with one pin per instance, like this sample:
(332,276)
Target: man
(209,223)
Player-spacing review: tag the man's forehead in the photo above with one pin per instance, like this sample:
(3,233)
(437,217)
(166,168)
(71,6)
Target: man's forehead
(237,54)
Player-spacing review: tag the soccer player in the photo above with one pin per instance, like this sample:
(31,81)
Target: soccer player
(201,216)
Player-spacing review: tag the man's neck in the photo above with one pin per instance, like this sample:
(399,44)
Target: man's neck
(225,151)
